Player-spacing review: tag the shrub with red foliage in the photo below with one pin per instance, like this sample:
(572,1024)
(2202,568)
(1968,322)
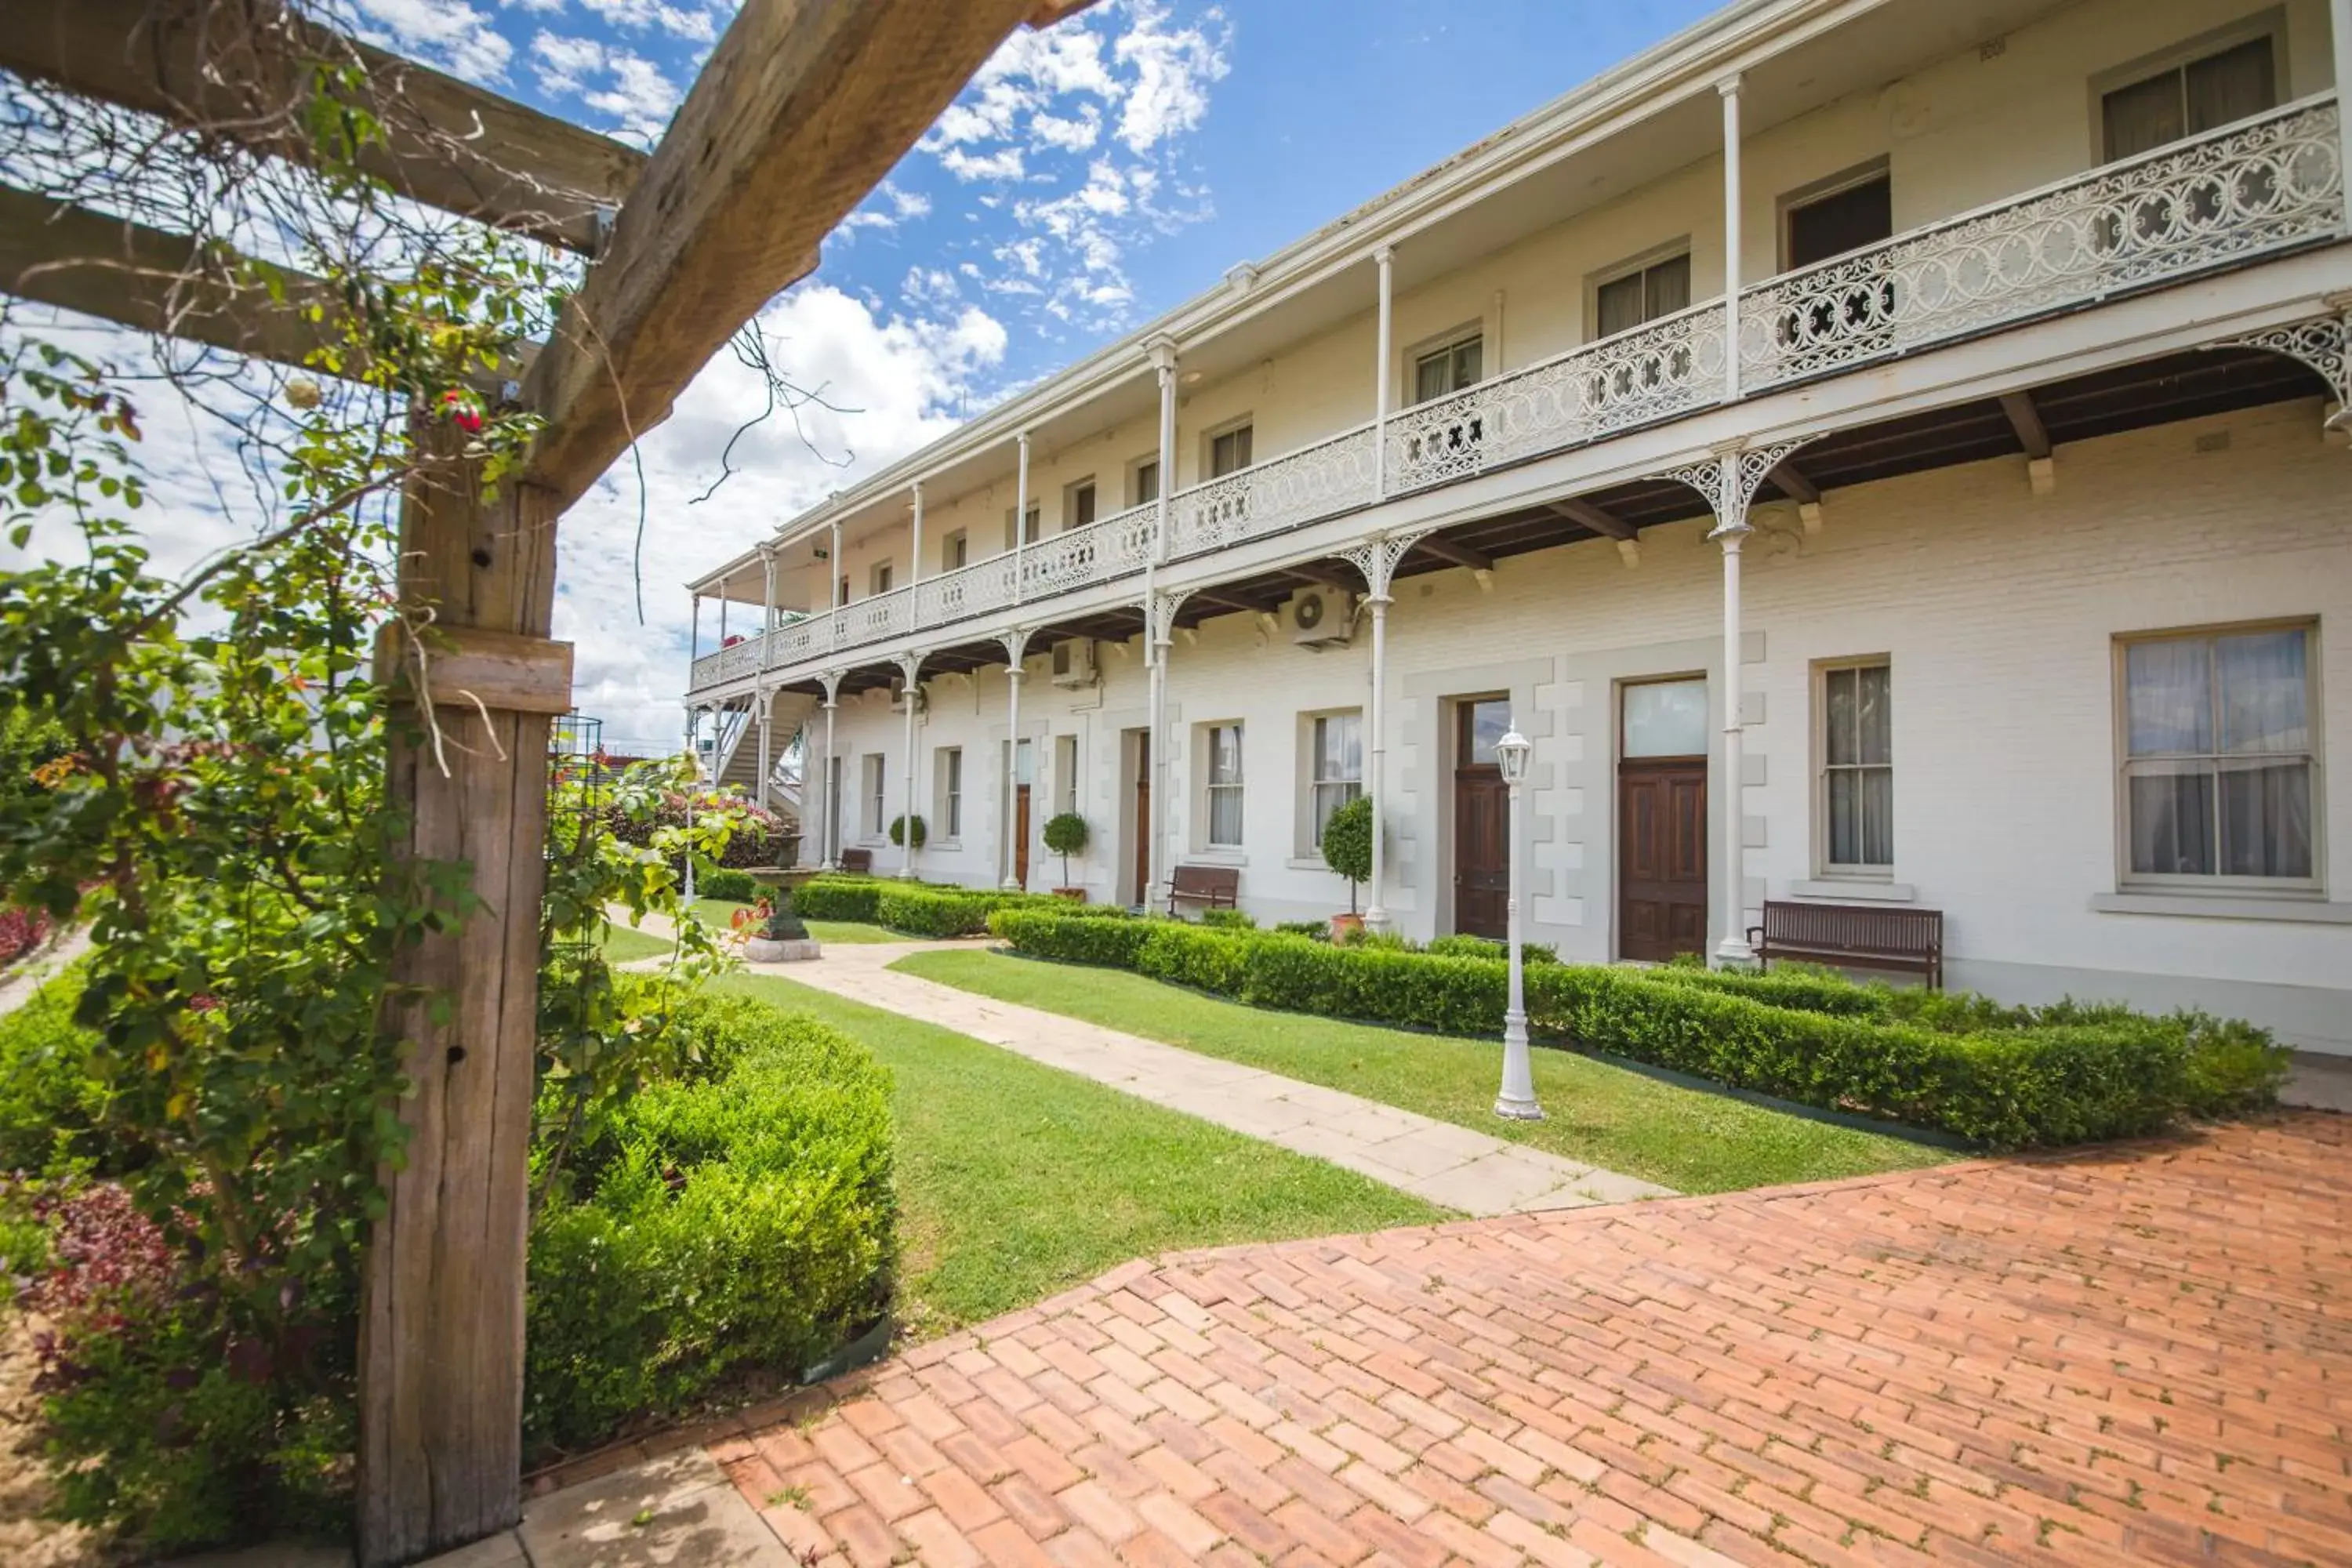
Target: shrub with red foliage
(21,931)
(105,1254)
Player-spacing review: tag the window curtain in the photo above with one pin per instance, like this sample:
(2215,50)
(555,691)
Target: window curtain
(2219,735)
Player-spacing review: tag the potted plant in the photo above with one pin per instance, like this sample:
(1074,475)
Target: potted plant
(1347,849)
(772,933)
(902,825)
(1065,835)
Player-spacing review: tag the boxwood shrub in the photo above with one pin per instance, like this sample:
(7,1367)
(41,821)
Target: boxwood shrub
(837,898)
(2002,1076)
(734,886)
(927,909)
(729,1223)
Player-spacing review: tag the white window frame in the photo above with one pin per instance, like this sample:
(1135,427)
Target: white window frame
(1617,272)
(1311,772)
(1211,436)
(2270,24)
(1070,493)
(1823,867)
(1869,172)
(1135,469)
(876,796)
(1211,786)
(1035,531)
(1066,772)
(947,808)
(949,544)
(2314,712)
(1445,342)
(879,578)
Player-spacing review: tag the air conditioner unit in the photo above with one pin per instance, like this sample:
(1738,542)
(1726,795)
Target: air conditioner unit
(1320,618)
(1074,662)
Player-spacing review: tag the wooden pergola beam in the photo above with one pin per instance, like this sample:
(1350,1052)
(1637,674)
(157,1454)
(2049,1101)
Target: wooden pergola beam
(244,70)
(2025,419)
(172,285)
(801,111)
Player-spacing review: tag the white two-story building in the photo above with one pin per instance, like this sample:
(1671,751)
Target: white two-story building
(1879,451)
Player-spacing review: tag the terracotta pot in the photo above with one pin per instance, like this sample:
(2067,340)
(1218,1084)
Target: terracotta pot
(1076,895)
(1345,926)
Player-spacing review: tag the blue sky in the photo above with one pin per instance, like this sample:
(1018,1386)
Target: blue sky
(1091,176)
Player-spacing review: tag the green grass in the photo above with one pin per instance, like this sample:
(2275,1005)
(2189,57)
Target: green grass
(1016,1181)
(1694,1139)
(625,944)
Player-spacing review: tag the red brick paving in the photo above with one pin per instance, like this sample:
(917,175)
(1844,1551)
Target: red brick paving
(2139,1354)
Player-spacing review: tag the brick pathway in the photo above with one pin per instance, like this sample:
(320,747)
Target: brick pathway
(2128,1354)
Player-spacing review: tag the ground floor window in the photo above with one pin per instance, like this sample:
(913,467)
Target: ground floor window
(1857,738)
(1224,786)
(1339,766)
(950,805)
(1066,770)
(2220,744)
(875,821)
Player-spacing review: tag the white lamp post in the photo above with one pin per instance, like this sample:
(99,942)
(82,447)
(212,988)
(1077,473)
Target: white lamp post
(1517,1101)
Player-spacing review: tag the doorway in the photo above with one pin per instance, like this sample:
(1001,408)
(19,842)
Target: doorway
(1025,774)
(1482,816)
(1139,823)
(1662,900)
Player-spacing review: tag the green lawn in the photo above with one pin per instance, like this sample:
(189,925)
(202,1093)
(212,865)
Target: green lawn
(1016,1181)
(1694,1139)
(625,944)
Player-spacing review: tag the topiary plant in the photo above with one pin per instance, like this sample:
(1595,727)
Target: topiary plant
(1065,835)
(898,829)
(1347,844)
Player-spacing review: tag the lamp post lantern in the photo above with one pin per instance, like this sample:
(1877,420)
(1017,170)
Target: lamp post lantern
(1517,1101)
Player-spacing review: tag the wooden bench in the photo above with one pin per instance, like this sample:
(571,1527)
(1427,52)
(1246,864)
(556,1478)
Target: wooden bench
(860,862)
(1868,936)
(1211,887)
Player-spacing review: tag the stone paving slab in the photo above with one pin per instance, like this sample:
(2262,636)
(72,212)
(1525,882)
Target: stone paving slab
(2129,1354)
(1454,1166)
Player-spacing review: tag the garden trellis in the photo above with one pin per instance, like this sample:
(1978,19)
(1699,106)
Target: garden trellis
(802,107)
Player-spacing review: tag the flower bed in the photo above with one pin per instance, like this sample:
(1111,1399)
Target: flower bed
(21,931)
(2004,1077)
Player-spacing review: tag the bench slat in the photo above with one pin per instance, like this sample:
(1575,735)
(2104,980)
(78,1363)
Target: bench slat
(1872,935)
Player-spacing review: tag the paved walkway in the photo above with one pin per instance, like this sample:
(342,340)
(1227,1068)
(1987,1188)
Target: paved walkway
(1453,1166)
(2136,1354)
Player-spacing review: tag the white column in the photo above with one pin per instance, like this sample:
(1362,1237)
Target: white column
(1731,90)
(694,637)
(833,570)
(1382,258)
(1163,356)
(911,663)
(1731,533)
(1019,515)
(760,699)
(2340,22)
(1016,647)
(1376,914)
(915,560)
(828,824)
(1156,643)
(768,601)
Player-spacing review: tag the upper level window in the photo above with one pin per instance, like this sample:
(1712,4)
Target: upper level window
(2220,752)
(955,550)
(1224,786)
(1228,451)
(1857,213)
(1147,481)
(1641,295)
(1032,522)
(881,577)
(2193,96)
(1443,372)
(1858,753)
(1081,508)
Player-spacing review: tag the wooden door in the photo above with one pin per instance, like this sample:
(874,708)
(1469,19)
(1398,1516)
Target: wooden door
(1143,818)
(1482,818)
(1021,835)
(1661,859)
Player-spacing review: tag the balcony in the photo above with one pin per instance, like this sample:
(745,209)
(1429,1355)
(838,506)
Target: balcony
(2262,188)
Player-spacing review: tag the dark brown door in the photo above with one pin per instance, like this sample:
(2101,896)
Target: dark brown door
(1482,818)
(1662,859)
(1021,835)
(1143,818)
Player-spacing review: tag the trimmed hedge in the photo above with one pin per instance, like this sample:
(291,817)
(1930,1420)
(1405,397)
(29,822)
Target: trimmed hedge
(2005,1076)
(739,1218)
(731,886)
(926,908)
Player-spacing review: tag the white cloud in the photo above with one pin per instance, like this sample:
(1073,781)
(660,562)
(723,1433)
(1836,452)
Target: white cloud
(1005,163)
(1071,133)
(628,89)
(1173,70)
(447,33)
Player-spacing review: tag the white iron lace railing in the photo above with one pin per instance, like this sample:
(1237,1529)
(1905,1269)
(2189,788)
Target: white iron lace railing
(875,617)
(1102,550)
(801,639)
(1323,480)
(1656,371)
(2262,185)
(740,656)
(971,590)
(706,671)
